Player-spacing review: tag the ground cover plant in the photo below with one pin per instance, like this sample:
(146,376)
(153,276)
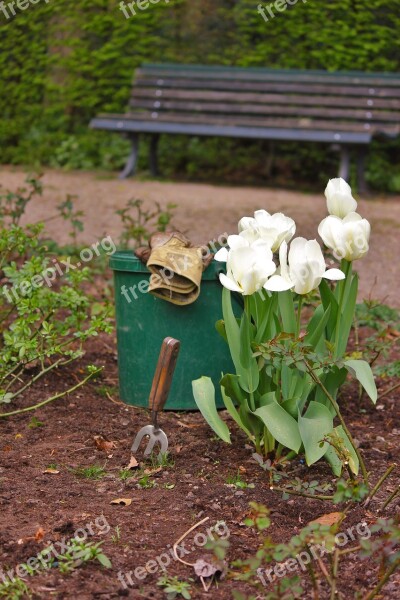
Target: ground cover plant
(65,475)
(43,322)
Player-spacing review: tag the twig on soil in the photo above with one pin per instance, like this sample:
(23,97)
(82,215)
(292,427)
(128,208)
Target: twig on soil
(118,402)
(390,498)
(383,581)
(56,397)
(378,485)
(391,389)
(174,547)
(304,494)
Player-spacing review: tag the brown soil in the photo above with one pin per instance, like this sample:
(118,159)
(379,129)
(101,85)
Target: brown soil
(62,503)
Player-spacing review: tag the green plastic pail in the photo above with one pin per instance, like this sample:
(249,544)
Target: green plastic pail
(143,321)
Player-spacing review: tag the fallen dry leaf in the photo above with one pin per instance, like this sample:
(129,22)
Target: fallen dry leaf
(39,535)
(51,471)
(152,471)
(103,444)
(329,519)
(122,501)
(178,449)
(133,463)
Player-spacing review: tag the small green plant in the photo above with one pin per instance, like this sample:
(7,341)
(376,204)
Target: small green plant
(145,482)
(139,223)
(52,466)
(92,472)
(116,537)
(106,390)
(351,490)
(175,587)
(164,459)
(238,482)
(79,552)
(34,422)
(15,590)
(125,474)
(384,320)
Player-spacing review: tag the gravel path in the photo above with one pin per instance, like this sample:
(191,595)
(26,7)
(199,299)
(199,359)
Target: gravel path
(205,211)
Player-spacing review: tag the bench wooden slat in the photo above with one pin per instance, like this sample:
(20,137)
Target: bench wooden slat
(273,123)
(121,124)
(282,87)
(266,98)
(161,104)
(326,78)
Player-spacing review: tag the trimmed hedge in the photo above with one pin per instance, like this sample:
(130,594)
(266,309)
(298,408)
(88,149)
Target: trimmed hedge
(62,62)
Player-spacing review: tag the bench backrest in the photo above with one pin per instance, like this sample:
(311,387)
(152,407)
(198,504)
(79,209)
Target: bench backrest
(254,97)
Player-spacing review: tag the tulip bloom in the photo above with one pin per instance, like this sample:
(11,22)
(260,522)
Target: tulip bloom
(339,199)
(348,238)
(272,229)
(248,265)
(304,270)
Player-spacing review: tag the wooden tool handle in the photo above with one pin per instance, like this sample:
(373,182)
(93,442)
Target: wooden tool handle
(163,375)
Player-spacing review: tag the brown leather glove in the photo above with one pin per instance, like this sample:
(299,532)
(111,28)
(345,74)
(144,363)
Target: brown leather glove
(176,267)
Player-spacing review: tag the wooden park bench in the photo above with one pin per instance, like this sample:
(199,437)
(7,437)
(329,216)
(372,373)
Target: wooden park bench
(347,109)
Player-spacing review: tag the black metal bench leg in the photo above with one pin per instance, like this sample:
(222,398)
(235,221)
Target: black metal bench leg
(344,168)
(153,159)
(361,182)
(131,163)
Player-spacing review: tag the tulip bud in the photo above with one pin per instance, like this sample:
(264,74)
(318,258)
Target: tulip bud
(348,238)
(339,199)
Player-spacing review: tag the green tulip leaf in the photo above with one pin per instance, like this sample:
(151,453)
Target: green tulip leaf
(230,407)
(314,426)
(281,425)
(204,395)
(332,456)
(363,372)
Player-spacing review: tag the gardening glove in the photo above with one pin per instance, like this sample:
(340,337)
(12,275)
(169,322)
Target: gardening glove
(176,267)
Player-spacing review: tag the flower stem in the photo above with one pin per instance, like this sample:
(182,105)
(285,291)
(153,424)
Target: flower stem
(299,307)
(346,267)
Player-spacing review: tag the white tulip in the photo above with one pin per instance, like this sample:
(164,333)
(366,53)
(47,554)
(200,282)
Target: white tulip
(234,242)
(348,238)
(304,270)
(248,266)
(339,199)
(272,229)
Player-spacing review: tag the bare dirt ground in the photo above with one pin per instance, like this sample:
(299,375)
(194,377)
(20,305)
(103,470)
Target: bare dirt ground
(44,497)
(205,211)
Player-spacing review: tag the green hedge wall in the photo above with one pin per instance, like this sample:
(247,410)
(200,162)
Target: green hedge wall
(62,61)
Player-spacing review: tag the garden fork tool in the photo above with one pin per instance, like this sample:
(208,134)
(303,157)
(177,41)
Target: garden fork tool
(158,396)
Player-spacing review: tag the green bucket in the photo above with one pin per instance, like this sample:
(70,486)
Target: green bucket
(143,321)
